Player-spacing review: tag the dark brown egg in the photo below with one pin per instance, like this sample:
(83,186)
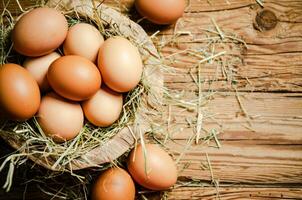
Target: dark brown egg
(39,32)
(114,184)
(19,92)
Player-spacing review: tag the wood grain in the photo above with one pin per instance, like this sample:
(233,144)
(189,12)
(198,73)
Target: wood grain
(260,73)
(243,163)
(269,121)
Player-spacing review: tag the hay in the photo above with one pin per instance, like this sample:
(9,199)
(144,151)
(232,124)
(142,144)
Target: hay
(260,2)
(93,146)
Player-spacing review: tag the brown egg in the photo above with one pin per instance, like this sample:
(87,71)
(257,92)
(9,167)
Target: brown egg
(38,67)
(39,32)
(123,71)
(83,40)
(74,77)
(159,11)
(103,108)
(113,184)
(19,92)
(161,170)
(60,118)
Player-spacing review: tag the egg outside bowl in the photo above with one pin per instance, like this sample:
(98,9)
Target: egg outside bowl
(94,146)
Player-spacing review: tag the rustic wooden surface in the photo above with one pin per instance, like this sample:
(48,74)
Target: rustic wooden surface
(258,161)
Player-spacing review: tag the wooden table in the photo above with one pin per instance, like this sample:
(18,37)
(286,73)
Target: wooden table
(261,143)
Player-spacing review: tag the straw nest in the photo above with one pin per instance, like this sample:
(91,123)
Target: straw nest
(93,146)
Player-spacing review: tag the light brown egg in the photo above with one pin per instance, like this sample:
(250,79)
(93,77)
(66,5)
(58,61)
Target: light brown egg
(103,108)
(19,92)
(60,118)
(159,11)
(113,184)
(83,40)
(74,77)
(123,71)
(38,67)
(39,32)
(161,170)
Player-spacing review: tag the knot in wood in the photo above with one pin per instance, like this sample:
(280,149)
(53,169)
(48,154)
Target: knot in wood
(266,20)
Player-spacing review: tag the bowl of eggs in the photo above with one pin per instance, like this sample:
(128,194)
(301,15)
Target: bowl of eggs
(76,84)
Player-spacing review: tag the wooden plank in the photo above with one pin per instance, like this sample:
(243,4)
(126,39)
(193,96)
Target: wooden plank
(259,160)
(241,162)
(261,73)
(206,193)
(285,30)
(268,151)
(274,117)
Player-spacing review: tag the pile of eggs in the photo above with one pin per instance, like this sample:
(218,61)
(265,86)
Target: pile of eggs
(88,81)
